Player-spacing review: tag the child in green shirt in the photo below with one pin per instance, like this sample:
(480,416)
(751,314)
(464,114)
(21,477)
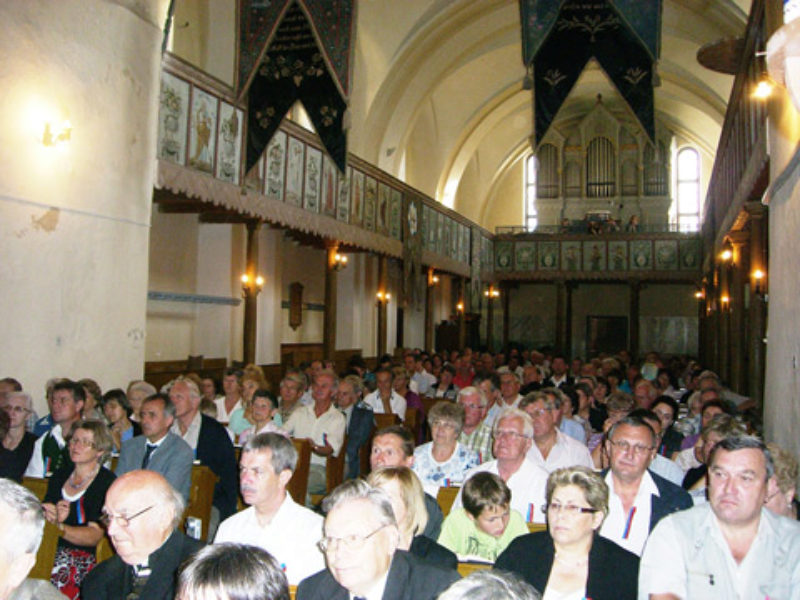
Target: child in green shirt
(483,528)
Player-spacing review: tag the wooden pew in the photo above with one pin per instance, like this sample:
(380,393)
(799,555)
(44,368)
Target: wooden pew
(298,484)
(201,496)
(446,497)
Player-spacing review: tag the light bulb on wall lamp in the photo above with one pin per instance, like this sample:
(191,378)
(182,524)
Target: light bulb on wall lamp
(460,307)
(726,255)
(383,297)
(339,261)
(53,136)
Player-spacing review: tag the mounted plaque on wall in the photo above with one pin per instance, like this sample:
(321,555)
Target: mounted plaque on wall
(295,304)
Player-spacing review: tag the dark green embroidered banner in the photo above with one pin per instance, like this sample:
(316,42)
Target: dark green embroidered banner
(559,38)
(296,50)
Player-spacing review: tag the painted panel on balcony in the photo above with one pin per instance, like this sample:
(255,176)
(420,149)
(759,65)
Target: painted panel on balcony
(343,202)
(276,166)
(328,199)
(548,256)
(294,172)
(570,256)
(229,145)
(503,256)
(689,252)
(525,256)
(370,200)
(641,255)
(202,130)
(617,256)
(594,256)
(313,182)
(666,255)
(357,197)
(173,118)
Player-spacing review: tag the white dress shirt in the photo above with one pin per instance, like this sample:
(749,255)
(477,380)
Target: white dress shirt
(629,529)
(567,452)
(328,427)
(396,401)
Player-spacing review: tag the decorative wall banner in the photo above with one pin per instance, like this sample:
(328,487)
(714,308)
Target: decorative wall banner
(622,35)
(300,51)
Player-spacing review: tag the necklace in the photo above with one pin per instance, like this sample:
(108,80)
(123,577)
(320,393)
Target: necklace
(76,485)
(575,564)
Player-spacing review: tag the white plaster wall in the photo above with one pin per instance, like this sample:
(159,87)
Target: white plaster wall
(268,347)
(306,265)
(74,219)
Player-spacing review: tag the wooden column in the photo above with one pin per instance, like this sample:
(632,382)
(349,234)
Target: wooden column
(506,295)
(561,317)
(429,296)
(757,311)
(635,287)
(489,320)
(462,314)
(723,333)
(739,240)
(251,291)
(383,263)
(329,317)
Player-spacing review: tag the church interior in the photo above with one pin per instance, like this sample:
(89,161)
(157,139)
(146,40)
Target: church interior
(422,191)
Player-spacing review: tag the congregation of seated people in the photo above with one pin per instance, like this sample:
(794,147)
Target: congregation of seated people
(531,473)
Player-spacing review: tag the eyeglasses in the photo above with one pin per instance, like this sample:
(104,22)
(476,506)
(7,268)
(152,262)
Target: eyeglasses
(570,509)
(106,518)
(16,409)
(348,542)
(504,433)
(624,446)
(444,424)
(81,442)
(539,412)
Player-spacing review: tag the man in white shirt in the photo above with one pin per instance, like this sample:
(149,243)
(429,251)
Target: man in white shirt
(637,498)
(274,521)
(513,436)
(509,395)
(552,449)
(385,400)
(323,425)
(423,380)
(730,547)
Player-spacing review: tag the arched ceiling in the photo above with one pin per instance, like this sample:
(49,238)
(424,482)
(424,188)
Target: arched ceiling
(438,89)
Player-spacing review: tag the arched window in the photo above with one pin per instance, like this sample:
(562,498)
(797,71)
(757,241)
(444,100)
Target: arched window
(601,169)
(531,217)
(685,211)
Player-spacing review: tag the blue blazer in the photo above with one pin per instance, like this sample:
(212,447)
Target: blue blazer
(215,450)
(362,422)
(173,459)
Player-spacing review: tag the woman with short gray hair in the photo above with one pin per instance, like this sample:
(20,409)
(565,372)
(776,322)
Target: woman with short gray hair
(18,443)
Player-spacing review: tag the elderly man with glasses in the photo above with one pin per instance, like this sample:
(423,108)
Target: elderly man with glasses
(360,542)
(142,513)
(513,436)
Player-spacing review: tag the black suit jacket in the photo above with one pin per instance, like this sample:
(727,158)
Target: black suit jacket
(215,450)
(550,383)
(362,421)
(112,579)
(613,571)
(409,579)
(432,553)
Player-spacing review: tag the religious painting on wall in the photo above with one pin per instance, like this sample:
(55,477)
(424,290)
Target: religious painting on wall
(254,180)
(313,182)
(370,201)
(617,256)
(570,256)
(503,256)
(548,256)
(202,129)
(329,190)
(395,216)
(525,256)
(594,256)
(173,118)
(641,255)
(356,197)
(276,166)
(343,202)
(229,144)
(382,212)
(443,243)
(666,255)
(295,157)
(689,253)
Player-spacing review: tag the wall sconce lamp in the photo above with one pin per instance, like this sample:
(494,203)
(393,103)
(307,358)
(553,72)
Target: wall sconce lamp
(726,303)
(699,294)
(339,262)
(383,297)
(251,285)
(460,307)
(758,276)
(763,89)
(50,137)
(433,279)
(492,293)
(726,255)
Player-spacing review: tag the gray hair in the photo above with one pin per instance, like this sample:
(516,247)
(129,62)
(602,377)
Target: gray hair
(284,454)
(194,391)
(744,442)
(490,584)
(172,498)
(358,489)
(24,528)
(558,398)
(516,413)
(536,396)
(233,571)
(25,396)
(357,384)
(473,391)
(141,386)
(169,405)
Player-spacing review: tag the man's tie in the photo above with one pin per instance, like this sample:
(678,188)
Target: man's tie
(147,453)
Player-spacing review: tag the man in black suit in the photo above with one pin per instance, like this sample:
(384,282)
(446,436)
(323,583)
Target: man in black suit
(158,449)
(142,512)
(360,543)
(638,498)
(558,373)
(360,421)
(211,444)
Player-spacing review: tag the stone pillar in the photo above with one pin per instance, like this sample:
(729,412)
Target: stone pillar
(75,216)
(757,311)
(635,288)
(383,264)
(739,240)
(329,318)
(429,292)
(251,292)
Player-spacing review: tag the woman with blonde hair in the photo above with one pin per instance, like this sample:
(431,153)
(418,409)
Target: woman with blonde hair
(408,501)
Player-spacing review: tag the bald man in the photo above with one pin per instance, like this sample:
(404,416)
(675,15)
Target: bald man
(142,513)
